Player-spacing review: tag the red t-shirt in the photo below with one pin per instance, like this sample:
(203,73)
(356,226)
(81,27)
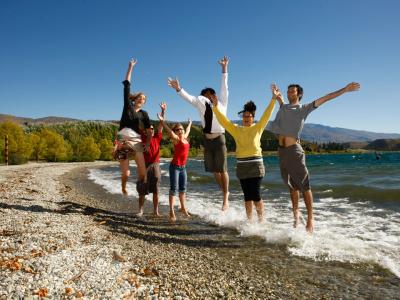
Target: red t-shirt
(153,155)
(181,151)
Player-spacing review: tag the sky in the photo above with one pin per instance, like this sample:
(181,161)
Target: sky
(68,58)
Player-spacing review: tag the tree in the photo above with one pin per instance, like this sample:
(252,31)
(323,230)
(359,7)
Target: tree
(88,150)
(39,146)
(56,148)
(106,146)
(19,148)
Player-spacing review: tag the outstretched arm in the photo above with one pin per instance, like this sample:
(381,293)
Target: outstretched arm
(222,119)
(266,115)
(174,83)
(276,94)
(224,62)
(351,87)
(187,131)
(163,107)
(172,134)
(132,63)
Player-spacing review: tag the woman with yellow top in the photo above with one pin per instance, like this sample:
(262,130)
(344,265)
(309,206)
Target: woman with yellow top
(250,166)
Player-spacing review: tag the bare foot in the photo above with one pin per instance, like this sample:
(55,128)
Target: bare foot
(310,226)
(172,217)
(185,212)
(225,204)
(125,192)
(156,214)
(296,221)
(140,213)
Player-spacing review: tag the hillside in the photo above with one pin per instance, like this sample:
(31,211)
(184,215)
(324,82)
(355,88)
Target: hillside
(323,134)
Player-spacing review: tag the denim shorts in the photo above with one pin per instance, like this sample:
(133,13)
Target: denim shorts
(177,179)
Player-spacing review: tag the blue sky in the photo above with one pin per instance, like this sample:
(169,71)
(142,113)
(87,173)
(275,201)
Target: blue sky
(68,58)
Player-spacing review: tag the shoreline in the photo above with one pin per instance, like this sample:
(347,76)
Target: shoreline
(60,224)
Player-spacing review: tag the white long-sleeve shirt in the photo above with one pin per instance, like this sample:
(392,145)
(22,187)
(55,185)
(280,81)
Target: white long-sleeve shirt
(200,103)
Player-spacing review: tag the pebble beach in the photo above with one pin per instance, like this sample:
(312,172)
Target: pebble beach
(62,237)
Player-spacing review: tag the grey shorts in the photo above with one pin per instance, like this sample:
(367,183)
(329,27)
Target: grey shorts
(292,162)
(153,180)
(215,154)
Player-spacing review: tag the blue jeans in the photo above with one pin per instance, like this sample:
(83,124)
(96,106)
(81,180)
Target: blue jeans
(177,177)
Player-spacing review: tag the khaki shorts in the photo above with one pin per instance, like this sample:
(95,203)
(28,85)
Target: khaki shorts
(292,162)
(153,180)
(215,154)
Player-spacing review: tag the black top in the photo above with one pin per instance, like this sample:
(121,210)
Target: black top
(208,116)
(138,121)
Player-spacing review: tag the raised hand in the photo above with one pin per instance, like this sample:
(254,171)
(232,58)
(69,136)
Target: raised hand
(132,62)
(276,93)
(163,106)
(174,83)
(352,87)
(224,63)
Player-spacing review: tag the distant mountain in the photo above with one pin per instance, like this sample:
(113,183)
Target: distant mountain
(323,134)
(45,120)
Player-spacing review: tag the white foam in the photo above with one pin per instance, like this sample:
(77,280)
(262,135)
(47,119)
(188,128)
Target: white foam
(344,231)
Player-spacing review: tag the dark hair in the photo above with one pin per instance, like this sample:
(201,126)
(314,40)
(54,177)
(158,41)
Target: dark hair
(299,90)
(250,107)
(207,90)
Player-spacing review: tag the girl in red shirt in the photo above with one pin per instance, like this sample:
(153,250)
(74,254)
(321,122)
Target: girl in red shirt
(177,168)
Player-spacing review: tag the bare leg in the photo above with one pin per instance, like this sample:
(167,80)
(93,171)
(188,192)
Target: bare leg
(141,205)
(182,199)
(141,167)
(172,216)
(125,172)
(308,200)
(249,209)
(260,210)
(294,195)
(155,204)
(222,179)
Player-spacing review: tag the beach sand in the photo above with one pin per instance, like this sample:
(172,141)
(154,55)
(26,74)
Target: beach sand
(62,236)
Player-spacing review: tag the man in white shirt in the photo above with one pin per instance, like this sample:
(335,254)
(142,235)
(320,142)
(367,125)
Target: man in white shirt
(214,138)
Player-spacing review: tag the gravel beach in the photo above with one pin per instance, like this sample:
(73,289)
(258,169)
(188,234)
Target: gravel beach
(63,237)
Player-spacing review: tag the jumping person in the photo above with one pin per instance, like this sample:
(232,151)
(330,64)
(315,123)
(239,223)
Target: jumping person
(134,121)
(214,138)
(288,125)
(177,167)
(250,166)
(152,160)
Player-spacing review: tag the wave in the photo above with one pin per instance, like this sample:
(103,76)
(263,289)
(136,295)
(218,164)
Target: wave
(359,193)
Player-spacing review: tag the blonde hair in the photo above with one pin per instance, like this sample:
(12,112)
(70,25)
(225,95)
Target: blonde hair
(176,126)
(133,97)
